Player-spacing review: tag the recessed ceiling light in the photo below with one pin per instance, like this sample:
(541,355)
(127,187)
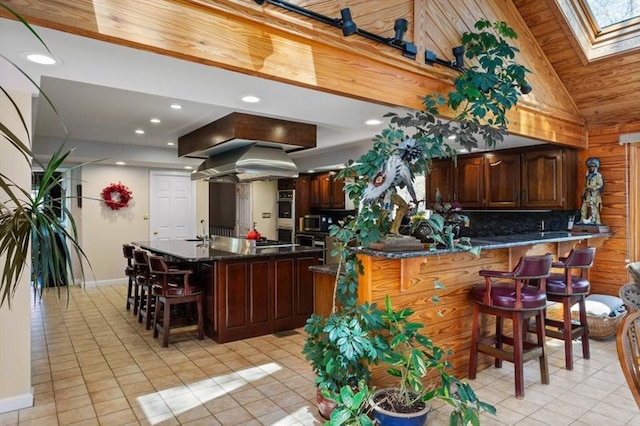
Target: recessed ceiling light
(155,120)
(176,106)
(311,171)
(171,143)
(251,99)
(38,58)
(452,137)
(140,131)
(188,167)
(373,122)
(120,163)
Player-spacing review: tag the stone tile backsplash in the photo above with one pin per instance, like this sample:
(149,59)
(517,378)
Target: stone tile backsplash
(487,223)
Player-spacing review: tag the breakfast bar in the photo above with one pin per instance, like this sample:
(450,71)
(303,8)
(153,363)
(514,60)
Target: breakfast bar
(437,284)
(249,290)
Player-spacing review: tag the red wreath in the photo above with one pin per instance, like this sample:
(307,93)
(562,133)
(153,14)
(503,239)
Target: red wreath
(116,196)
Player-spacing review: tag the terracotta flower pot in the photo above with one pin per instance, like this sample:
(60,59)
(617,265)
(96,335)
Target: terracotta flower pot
(325,406)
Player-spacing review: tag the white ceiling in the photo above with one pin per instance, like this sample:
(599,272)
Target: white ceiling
(104,92)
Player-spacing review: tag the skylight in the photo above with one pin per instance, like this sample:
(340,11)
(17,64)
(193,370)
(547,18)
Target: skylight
(611,12)
(603,27)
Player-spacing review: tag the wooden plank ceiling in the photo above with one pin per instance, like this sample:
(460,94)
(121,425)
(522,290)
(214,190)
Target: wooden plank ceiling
(605,90)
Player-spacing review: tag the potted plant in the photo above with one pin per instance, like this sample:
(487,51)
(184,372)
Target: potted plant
(412,356)
(28,219)
(362,334)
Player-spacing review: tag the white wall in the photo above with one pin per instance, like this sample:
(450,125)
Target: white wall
(15,323)
(104,230)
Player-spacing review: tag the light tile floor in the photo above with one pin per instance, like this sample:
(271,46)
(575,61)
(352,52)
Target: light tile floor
(93,363)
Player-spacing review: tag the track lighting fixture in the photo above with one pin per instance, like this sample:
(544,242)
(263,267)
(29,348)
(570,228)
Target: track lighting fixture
(349,27)
(457,64)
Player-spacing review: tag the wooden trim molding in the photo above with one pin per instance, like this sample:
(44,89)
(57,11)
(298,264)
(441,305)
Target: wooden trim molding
(241,36)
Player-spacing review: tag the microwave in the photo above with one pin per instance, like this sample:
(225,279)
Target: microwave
(316,223)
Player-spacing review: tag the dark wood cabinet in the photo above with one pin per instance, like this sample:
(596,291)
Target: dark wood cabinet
(256,296)
(303,197)
(548,178)
(502,180)
(327,192)
(532,177)
(440,178)
(469,182)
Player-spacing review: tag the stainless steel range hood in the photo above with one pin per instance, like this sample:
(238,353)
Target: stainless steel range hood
(247,164)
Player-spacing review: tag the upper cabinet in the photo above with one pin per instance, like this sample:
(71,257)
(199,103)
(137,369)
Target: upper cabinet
(327,192)
(532,177)
(502,180)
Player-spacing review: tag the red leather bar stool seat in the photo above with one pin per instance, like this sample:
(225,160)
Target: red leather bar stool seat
(568,288)
(518,299)
(172,287)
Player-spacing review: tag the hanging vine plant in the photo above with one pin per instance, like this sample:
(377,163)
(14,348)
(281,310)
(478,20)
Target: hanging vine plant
(116,196)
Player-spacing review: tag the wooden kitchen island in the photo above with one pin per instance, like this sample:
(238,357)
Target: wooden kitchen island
(410,279)
(248,291)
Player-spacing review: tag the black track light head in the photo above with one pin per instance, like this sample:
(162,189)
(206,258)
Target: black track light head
(400,27)
(458,54)
(348,26)
(525,88)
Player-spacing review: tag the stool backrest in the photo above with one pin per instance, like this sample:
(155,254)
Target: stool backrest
(628,348)
(127,251)
(533,267)
(581,258)
(157,264)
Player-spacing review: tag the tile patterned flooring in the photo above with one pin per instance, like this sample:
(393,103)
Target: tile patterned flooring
(93,363)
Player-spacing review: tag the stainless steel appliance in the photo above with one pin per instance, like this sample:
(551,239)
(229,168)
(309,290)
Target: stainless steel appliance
(320,240)
(316,223)
(285,222)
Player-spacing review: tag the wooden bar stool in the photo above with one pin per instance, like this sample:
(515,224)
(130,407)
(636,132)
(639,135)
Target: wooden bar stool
(518,301)
(569,289)
(144,282)
(129,270)
(172,287)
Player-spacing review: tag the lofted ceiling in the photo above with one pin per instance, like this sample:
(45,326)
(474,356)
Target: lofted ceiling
(604,90)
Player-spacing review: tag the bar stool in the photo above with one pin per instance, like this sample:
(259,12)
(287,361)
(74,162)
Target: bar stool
(129,270)
(518,301)
(570,289)
(172,287)
(144,281)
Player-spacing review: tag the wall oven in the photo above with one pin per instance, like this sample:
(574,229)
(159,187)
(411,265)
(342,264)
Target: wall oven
(286,203)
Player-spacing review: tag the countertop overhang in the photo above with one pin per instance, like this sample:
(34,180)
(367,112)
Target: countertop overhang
(218,248)
(493,242)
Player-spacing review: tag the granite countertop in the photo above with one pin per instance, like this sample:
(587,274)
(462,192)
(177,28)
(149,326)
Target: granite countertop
(495,242)
(331,269)
(219,248)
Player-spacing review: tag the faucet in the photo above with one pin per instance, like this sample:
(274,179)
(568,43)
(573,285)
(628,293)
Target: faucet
(205,237)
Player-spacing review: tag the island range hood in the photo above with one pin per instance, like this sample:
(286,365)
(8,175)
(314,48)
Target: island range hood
(243,147)
(247,164)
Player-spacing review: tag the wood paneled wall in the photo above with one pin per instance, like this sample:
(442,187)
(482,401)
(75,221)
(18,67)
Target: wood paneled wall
(605,90)
(269,42)
(608,273)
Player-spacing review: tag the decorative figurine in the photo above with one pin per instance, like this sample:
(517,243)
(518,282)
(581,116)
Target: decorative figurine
(591,194)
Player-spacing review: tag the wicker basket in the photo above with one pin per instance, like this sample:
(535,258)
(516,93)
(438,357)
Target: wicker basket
(600,327)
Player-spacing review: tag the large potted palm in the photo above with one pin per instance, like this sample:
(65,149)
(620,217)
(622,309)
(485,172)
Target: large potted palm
(482,95)
(32,231)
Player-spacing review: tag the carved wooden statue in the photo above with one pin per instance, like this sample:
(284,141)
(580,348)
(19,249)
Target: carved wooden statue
(591,194)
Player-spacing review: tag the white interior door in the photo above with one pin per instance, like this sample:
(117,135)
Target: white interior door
(243,209)
(171,205)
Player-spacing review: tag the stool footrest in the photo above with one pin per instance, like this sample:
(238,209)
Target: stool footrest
(534,352)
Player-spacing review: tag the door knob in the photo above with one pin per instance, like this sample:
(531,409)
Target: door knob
(155,232)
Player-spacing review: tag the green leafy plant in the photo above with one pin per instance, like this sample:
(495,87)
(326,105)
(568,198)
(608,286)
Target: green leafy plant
(358,334)
(353,406)
(411,357)
(27,218)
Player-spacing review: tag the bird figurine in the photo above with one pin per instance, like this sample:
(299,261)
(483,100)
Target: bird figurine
(396,171)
